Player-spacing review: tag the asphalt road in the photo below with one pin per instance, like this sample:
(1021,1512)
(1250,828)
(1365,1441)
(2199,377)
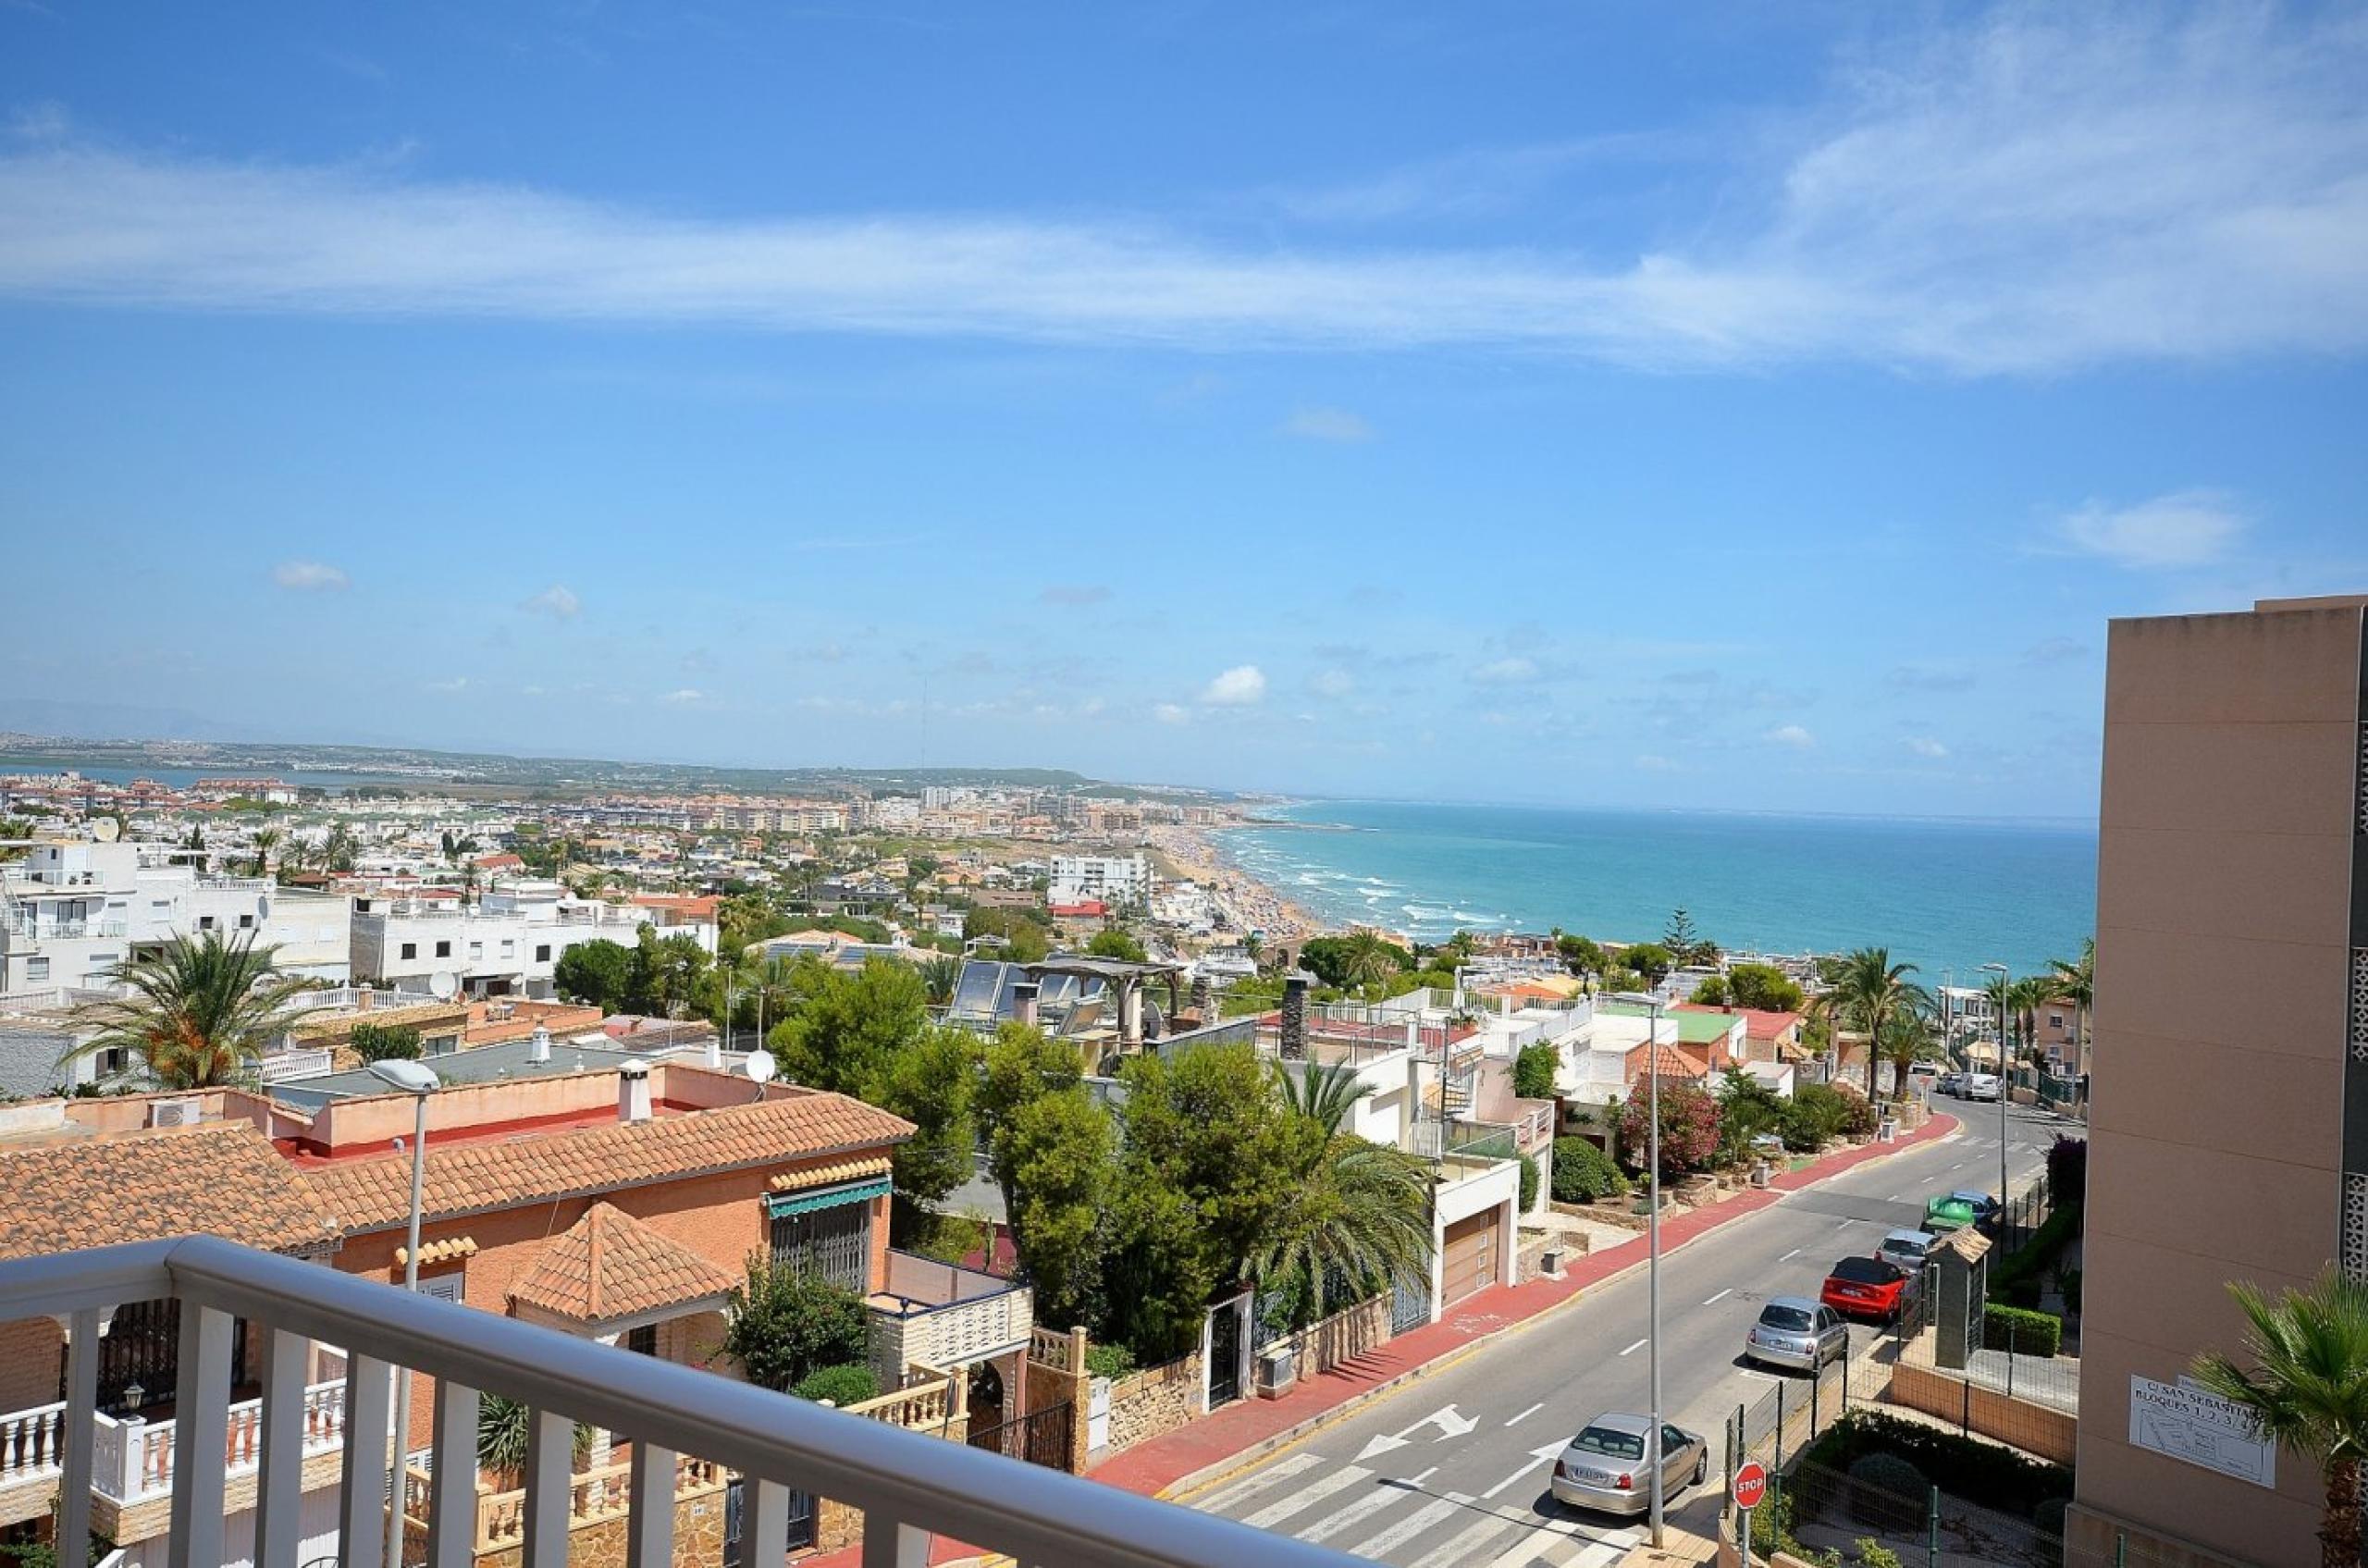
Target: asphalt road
(1450,1471)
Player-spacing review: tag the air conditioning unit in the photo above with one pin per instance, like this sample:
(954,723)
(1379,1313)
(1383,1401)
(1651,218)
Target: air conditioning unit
(176,1113)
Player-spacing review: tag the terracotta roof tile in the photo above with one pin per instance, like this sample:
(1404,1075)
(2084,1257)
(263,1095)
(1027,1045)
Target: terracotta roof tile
(826,1175)
(374,1194)
(609,1265)
(220,1178)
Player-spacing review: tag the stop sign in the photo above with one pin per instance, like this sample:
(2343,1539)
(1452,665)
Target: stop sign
(1751,1485)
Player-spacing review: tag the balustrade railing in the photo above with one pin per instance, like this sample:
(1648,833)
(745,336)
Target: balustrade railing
(29,1443)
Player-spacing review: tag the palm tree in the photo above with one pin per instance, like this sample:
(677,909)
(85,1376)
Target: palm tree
(1366,959)
(2308,1389)
(2074,980)
(266,840)
(197,1014)
(771,981)
(1359,1213)
(1868,989)
(941,974)
(1906,1039)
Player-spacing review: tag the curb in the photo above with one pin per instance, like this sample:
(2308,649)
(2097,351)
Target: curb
(1187,1486)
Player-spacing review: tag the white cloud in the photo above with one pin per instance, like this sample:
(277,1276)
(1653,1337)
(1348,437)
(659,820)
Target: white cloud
(1237,688)
(1332,682)
(2027,191)
(1927,747)
(1171,714)
(1792,735)
(2187,528)
(558,602)
(458,683)
(1513,672)
(685,697)
(1319,424)
(309,576)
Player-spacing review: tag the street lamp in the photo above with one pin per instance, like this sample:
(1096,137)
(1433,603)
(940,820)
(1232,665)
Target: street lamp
(418,1081)
(1652,1002)
(2004,984)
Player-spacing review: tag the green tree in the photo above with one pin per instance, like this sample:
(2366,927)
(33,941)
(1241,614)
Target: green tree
(2308,1389)
(1356,1214)
(599,973)
(1868,988)
(2074,980)
(1581,954)
(1054,1154)
(385,1041)
(1764,988)
(1650,960)
(1533,1071)
(930,1082)
(1686,945)
(1116,941)
(939,976)
(195,1014)
(782,1326)
(1026,938)
(666,972)
(265,841)
(1906,1038)
(1713,992)
(503,1426)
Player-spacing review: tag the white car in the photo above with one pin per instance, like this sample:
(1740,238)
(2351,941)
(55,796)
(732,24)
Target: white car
(1982,1086)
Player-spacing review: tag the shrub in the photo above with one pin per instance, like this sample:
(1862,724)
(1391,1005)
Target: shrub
(1533,1071)
(1980,1472)
(1887,1480)
(1584,1173)
(2024,1332)
(1528,1183)
(2067,1171)
(782,1326)
(2049,1514)
(1872,1553)
(385,1041)
(1689,1130)
(848,1383)
(1109,1361)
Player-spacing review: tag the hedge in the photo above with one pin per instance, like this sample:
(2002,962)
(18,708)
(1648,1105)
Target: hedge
(2025,1333)
(1584,1173)
(846,1384)
(1979,1472)
(1528,1183)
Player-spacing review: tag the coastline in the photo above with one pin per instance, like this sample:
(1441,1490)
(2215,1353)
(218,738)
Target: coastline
(1248,902)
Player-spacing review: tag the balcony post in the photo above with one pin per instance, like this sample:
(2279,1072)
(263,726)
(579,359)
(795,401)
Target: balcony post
(362,1487)
(201,1432)
(453,1485)
(650,1529)
(81,1428)
(550,1457)
(889,1542)
(279,1478)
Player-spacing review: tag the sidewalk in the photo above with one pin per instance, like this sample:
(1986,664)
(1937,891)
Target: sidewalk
(1182,1460)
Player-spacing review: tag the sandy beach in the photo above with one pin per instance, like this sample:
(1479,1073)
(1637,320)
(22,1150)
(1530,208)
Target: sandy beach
(1249,902)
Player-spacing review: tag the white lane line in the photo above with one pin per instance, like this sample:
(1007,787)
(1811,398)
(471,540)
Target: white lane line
(1558,1543)
(1843,1221)
(1418,1480)
(1525,1414)
(1315,1491)
(1634,1348)
(1890,1198)
(1721,1296)
(1241,1491)
(1467,1546)
(1357,1512)
(1788,1257)
(1413,1525)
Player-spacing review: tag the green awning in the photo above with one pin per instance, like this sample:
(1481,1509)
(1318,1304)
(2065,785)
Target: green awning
(780,1203)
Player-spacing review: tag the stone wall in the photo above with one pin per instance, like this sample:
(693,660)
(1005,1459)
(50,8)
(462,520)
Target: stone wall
(698,1537)
(1344,1335)
(2034,1428)
(1153,1402)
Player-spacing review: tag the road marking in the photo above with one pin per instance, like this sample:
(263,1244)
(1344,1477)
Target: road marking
(1634,1348)
(1525,1414)
(1891,1198)
(1467,1546)
(1788,1257)
(1537,1457)
(1843,1221)
(1241,1491)
(1418,1480)
(1365,1507)
(1721,1296)
(1413,1525)
(1315,1491)
(1561,1547)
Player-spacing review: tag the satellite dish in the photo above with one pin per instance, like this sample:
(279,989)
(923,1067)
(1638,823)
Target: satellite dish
(443,985)
(107,830)
(759,1066)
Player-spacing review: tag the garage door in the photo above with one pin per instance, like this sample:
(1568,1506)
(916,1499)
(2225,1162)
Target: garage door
(1470,1262)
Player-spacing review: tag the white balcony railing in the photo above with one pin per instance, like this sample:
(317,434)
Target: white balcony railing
(905,1487)
(135,1457)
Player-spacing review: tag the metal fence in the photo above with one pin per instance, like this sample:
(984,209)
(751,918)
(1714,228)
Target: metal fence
(1827,1509)
(1041,1437)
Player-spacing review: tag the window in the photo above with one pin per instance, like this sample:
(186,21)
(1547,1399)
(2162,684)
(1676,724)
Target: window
(642,1340)
(509,947)
(477,949)
(411,949)
(542,951)
(445,1286)
(36,968)
(832,1244)
(246,923)
(206,922)
(444,948)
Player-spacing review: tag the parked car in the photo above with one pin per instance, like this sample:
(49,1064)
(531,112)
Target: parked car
(1869,1288)
(1951,1082)
(1953,1211)
(1796,1332)
(1908,1249)
(1982,1086)
(1605,1466)
(1924,1074)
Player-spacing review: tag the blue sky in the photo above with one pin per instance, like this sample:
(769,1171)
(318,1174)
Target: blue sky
(1737,404)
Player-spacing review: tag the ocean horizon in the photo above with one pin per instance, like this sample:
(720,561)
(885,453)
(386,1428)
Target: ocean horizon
(1944,894)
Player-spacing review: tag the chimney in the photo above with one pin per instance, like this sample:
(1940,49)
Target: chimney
(538,1044)
(1294,1031)
(362,996)
(1205,1002)
(1023,1002)
(633,1092)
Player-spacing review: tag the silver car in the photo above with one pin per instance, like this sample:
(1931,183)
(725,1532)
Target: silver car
(1798,1333)
(1908,1249)
(1605,1468)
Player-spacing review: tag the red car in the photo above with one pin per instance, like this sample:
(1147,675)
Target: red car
(1869,1287)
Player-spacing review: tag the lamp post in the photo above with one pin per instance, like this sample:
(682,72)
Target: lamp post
(418,1082)
(1652,1002)
(2004,984)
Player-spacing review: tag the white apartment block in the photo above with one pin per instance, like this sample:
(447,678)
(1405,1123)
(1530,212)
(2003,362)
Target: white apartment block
(1113,879)
(70,912)
(506,944)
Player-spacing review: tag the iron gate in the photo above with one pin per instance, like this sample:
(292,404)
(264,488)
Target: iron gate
(801,1523)
(1041,1437)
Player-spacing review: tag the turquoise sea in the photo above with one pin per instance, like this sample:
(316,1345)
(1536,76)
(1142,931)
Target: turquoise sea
(1945,894)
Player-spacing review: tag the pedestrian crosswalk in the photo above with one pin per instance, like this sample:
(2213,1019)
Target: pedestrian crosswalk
(1353,1509)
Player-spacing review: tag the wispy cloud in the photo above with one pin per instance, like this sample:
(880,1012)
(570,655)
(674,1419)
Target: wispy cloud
(1792,735)
(2189,528)
(1519,670)
(1927,747)
(458,683)
(2055,650)
(309,576)
(557,601)
(685,696)
(1074,594)
(1237,687)
(1321,423)
(1171,714)
(2035,190)
(1332,682)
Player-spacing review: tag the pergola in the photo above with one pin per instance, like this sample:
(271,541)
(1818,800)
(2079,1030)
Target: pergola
(1127,979)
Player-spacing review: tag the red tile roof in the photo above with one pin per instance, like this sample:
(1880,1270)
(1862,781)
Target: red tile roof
(217,1178)
(609,1265)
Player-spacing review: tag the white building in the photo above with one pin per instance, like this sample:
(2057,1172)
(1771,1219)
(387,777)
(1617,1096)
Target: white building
(71,911)
(1110,879)
(508,943)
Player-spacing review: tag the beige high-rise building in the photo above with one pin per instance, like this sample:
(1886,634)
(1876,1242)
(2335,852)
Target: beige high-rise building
(2229,1119)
